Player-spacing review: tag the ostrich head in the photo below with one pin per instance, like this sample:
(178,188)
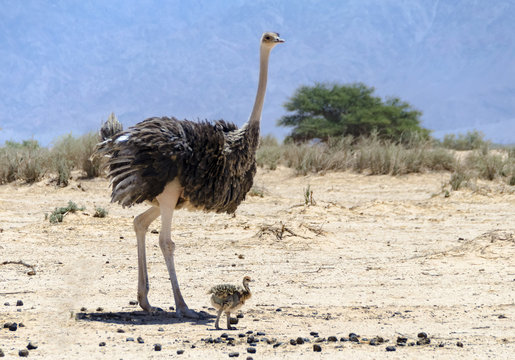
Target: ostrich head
(246,281)
(270,39)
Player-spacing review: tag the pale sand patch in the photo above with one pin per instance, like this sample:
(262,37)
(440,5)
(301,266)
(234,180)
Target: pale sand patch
(376,255)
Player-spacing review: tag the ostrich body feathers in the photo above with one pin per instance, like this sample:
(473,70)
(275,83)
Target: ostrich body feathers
(228,297)
(214,162)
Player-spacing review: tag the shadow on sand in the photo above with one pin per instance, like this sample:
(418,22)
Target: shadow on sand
(143,318)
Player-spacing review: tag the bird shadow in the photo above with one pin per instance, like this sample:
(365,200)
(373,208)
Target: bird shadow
(143,318)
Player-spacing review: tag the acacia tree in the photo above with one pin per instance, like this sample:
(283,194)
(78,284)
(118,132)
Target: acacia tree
(331,110)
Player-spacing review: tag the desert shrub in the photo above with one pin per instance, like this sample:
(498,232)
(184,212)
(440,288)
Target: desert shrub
(269,153)
(24,161)
(472,140)
(100,212)
(461,176)
(69,153)
(487,166)
(59,213)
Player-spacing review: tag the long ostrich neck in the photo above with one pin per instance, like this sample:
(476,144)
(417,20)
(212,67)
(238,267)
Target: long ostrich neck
(255,116)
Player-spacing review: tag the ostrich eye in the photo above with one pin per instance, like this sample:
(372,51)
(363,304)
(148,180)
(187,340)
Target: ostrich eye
(267,37)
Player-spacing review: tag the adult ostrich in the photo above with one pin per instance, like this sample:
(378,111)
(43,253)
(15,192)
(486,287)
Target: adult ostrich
(177,164)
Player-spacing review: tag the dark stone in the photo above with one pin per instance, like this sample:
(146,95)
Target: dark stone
(102,343)
(13,327)
(224,335)
(7,325)
(2,353)
(293,342)
(32,346)
(278,309)
(391,348)
(83,309)
(412,343)
(180,352)
(217,340)
(251,350)
(129,339)
(441,345)
(277,344)
(317,348)
(157,347)
(343,339)
(160,329)
(234,354)
(379,339)
(423,341)
(332,339)
(251,339)
(230,338)
(313,333)
(239,316)
(459,344)
(19,303)
(121,331)
(140,340)
(260,333)
(422,335)
(233,321)
(21,325)
(250,358)
(241,335)
(250,332)
(100,308)
(319,340)
(133,302)
(6,304)
(402,339)
(300,340)
(23,353)
(373,342)
(353,337)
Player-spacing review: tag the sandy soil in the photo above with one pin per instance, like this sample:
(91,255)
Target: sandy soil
(375,255)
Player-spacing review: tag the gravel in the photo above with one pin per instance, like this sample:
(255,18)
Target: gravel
(23,353)
(317,348)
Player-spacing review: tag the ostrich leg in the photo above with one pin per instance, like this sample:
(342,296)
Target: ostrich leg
(141,224)
(167,201)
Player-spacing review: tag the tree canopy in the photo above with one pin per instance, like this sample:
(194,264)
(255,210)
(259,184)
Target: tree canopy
(331,110)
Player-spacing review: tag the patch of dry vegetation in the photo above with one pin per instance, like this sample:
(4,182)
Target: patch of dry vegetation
(374,156)
(29,162)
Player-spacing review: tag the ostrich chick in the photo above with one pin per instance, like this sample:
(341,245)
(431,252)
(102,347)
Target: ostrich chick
(229,298)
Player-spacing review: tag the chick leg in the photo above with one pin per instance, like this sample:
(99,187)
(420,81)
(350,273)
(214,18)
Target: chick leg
(229,327)
(218,319)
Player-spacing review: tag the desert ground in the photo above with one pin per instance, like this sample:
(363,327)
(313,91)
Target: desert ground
(378,256)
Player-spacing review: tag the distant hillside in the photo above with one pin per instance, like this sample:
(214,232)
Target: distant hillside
(66,66)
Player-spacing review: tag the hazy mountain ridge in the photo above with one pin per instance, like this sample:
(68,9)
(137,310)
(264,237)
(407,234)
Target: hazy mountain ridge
(68,66)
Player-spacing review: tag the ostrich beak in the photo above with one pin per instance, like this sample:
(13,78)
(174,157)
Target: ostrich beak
(279,40)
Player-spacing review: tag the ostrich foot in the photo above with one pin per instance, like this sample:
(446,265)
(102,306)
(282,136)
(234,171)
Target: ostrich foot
(145,305)
(187,313)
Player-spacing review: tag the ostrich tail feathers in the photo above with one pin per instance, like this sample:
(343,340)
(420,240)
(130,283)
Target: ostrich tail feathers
(110,128)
